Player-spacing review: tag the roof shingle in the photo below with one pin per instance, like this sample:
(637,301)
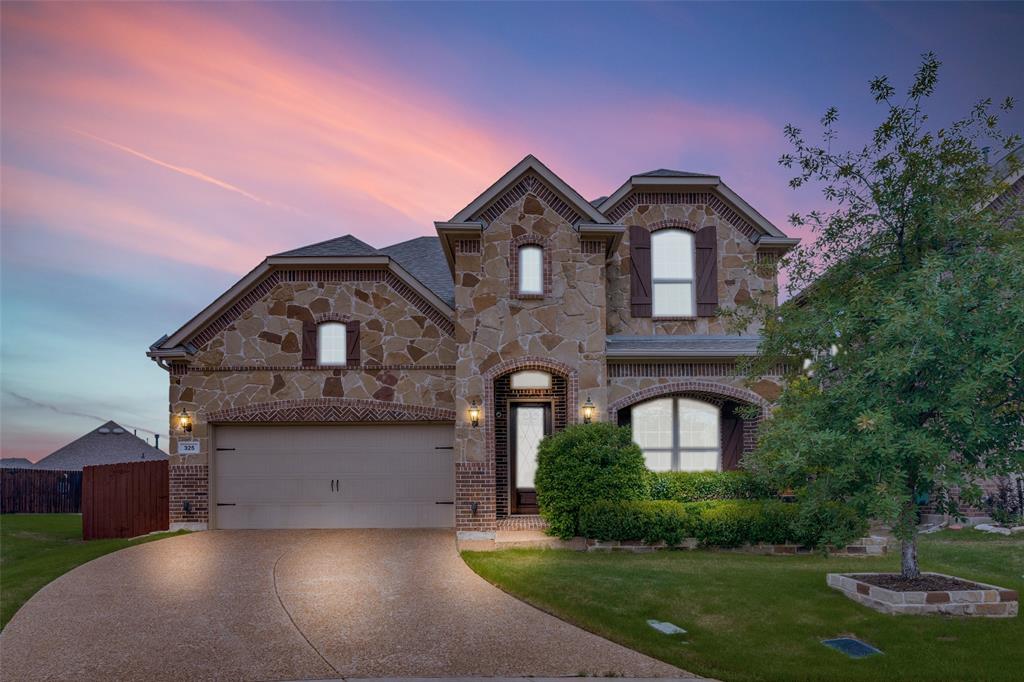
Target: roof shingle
(106,444)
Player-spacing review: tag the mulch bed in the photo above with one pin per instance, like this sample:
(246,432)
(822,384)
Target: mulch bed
(925,583)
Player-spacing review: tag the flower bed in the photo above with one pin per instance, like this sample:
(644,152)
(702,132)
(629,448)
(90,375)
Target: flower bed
(945,594)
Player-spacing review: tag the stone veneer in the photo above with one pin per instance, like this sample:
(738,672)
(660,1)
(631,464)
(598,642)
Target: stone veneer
(497,333)
(251,369)
(740,277)
(989,600)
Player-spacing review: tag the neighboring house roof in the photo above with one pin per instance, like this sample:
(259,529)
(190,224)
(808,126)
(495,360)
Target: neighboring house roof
(423,258)
(15,463)
(665,346)
(110,443)
(346,245)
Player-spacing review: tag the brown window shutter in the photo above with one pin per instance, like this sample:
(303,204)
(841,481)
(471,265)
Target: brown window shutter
(352,341)
(732,439)
(308,344)
(706,244)
(640,271)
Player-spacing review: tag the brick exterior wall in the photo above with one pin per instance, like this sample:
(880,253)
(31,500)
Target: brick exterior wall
(189,483)
(504,395)
(474,483)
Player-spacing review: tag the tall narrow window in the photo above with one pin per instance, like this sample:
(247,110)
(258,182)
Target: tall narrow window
(531,269)
(331,343)
(672,273)
(678,434)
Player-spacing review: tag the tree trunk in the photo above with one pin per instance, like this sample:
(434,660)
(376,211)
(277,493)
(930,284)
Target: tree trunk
(908,563)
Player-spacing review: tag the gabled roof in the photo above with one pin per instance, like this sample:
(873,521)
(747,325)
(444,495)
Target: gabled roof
(15,463)
(346,245)
(528,165)
(419,262)
(662,179)
(106,444)
(669,173)
(423,258)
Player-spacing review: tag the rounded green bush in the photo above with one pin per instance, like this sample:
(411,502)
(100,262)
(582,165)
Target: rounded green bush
(582,464)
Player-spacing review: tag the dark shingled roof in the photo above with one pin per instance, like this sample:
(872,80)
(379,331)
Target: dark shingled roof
(669,173)
(107,444)
(682,346)
(423,258)
(15,463)
(339,246)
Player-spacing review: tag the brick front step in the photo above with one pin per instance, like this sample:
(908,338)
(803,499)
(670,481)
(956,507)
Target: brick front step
(522,522)
(990,601)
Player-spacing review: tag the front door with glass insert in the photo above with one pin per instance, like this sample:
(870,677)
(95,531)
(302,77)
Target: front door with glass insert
(528,424)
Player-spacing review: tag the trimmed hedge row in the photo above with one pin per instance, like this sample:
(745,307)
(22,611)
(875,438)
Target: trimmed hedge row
(720,523)
(697,486)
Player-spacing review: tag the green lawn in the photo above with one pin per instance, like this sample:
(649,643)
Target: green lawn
(37,548)
(762,618)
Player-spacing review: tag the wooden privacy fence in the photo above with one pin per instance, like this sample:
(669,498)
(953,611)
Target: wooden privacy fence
(40,491)
(124,500)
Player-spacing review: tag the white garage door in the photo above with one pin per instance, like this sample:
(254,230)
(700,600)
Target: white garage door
(395,476)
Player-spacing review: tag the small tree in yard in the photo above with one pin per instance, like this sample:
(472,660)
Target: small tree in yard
(905,347)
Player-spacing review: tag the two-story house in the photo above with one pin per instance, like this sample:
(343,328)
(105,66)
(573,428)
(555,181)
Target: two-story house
(340,385)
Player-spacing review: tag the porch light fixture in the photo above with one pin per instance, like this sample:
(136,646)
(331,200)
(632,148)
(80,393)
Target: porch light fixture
(588,411)
(474,414)
(184,421)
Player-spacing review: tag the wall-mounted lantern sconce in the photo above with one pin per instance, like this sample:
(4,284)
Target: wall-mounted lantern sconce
(474,414)
(588,411)
(184,421)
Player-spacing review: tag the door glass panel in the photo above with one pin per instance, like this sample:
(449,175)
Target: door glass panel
(529,432)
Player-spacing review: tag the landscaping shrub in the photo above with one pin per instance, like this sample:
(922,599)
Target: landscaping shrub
(730,523)
(828,524)
(582,464)
(697,486)
(717,523)
(649,521)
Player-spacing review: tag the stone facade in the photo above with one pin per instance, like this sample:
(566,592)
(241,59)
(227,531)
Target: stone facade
(251,370)
(741,278)
(421,360)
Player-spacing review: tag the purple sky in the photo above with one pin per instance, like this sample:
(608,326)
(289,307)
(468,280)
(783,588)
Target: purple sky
(152,154)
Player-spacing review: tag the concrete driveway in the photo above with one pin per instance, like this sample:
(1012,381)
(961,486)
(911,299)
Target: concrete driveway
(285,605)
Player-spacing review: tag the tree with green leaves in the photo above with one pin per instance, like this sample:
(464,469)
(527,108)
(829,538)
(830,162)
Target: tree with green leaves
(904,341)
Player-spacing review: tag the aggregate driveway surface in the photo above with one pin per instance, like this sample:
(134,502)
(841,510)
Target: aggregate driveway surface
(280,605)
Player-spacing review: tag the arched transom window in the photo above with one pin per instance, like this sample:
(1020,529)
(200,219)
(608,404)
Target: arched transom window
(678,434)
(331,343)
(672,266)
(530,379)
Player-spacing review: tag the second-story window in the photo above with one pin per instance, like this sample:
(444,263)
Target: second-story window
(672,269)
(331,343)
(531,269)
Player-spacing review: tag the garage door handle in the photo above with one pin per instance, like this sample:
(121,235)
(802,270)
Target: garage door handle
(444,447)
(448,502)
(225,504)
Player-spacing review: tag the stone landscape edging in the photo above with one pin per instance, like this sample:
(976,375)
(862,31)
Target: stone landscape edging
(991,601)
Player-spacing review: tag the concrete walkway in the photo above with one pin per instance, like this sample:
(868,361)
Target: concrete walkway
(288,605)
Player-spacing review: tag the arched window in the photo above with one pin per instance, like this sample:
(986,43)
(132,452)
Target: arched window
(672,269)
(531,269)
(678,434)
(331,343)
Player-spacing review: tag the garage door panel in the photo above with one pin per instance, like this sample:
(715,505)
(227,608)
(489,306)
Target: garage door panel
(390,476)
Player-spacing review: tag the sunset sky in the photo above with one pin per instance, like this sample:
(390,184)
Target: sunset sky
(152,154)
